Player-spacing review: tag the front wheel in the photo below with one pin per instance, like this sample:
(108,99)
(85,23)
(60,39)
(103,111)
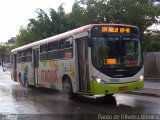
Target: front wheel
(67,88)
(109,99)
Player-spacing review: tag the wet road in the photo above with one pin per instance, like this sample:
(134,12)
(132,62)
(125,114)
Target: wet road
(17,102)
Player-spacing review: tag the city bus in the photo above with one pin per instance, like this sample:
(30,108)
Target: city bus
(95,59)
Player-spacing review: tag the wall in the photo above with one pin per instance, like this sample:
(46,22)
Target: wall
(152,66)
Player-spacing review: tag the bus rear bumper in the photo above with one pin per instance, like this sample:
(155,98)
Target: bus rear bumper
(98,89)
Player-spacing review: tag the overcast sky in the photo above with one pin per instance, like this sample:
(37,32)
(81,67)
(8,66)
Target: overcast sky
(15,13)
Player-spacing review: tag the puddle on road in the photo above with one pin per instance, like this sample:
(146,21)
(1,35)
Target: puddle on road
(16,100)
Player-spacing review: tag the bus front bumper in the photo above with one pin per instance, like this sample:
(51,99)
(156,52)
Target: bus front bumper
(99,89)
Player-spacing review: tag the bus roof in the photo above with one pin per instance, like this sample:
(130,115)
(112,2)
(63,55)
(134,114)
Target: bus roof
(64,35)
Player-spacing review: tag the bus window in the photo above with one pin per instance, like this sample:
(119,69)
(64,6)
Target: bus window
(18,57)
(68,43)
(29,51)
(113,51)
(43,52)
(66,49)
(53,50)
(61,44)
(23,56)
(19,54)
(29,55)
(43,48)
(53,46)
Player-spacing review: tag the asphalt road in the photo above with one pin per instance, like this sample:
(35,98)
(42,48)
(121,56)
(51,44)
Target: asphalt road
(17,102)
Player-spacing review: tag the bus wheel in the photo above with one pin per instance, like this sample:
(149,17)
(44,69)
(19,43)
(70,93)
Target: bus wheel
(67,88)
(109,99)
(108,96)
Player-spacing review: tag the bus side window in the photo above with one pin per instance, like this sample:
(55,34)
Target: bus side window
(43,52)
(53,46)
(18,57)
(43,48)
(68,43)
(23,56)
(61,44)
(29,55)
(53,50)
(66,48)
(29,51)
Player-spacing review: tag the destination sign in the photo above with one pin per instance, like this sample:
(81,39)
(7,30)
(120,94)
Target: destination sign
(116,29)
(113,29)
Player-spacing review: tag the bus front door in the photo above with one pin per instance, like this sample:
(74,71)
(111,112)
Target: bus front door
(83,68)
(35,65)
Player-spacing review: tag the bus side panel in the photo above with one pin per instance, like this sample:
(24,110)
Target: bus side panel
(51,73)
(47,74)
(30,75)
(20,69)
(66,67)
(25,70)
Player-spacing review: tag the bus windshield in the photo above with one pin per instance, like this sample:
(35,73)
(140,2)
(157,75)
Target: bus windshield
(116,52)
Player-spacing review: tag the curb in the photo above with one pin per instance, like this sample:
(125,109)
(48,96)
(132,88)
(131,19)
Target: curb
(7,72)
(145,94)
(151,93)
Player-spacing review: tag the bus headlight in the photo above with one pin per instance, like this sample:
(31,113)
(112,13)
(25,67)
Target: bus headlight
(141,78)
(99,80)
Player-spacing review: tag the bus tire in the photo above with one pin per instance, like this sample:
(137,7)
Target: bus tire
(108,96)
(109,99)
(67,88)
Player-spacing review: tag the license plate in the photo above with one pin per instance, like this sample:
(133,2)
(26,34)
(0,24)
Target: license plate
(124,88)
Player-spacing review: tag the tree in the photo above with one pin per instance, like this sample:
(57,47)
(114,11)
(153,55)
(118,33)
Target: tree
(3,54)
(37,29)
(44,26)
(142,13)
(78,15)
(151,41)
(23,37)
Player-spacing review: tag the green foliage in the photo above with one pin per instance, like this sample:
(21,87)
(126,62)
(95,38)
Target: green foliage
(142,13)
(44,26)
(23,37)
(4,53)
(151,45)
(151,41)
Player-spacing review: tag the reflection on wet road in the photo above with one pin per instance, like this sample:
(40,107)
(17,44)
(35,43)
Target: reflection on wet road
(16,99)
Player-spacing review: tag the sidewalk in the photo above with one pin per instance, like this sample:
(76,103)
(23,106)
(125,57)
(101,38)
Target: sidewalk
(150,89)
(6,71)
